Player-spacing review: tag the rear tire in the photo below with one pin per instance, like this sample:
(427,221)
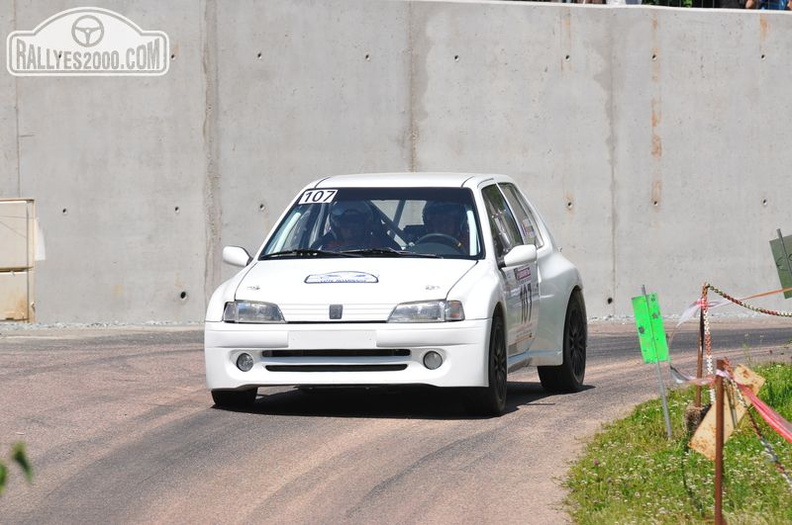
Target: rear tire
(568,377)
(234,398)
(491,400)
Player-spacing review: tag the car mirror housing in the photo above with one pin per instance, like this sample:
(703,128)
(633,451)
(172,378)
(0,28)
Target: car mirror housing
(520,255)
(236,256)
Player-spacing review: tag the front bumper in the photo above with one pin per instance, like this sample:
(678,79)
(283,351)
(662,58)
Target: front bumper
(346,354)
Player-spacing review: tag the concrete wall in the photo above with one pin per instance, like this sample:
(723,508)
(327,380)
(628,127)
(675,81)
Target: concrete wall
(116,166)
(652,139)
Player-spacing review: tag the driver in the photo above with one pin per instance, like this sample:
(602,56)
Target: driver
(352,227)
(446,219)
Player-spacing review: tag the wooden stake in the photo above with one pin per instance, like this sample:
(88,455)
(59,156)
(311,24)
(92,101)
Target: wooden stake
(719,402)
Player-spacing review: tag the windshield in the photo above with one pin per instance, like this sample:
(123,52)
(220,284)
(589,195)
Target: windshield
(379,222)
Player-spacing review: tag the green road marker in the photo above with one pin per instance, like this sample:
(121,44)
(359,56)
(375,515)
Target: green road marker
(652,337)
(651,333)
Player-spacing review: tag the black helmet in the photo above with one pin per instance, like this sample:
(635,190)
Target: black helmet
(345,213)
(445,208)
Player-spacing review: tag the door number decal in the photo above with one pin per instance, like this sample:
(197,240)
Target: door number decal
(526,301)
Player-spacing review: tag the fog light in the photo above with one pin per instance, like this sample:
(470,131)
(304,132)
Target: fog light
(244,362)
(432,360)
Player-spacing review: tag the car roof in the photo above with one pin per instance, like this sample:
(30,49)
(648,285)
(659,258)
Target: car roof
(407,180)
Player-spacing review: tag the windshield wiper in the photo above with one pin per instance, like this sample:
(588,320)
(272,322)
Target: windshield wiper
(305,253)
(389,252)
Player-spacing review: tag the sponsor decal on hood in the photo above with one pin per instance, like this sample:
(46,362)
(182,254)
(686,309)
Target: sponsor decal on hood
(341,277)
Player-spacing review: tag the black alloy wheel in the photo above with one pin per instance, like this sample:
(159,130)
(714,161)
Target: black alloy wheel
(491,400)
(568,377)
(234,398)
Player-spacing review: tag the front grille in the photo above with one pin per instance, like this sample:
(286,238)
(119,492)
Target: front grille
(320,313)
(335,368)
(337,353)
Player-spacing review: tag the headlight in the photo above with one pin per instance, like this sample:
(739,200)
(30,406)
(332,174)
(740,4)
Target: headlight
(427,312)
(250,312)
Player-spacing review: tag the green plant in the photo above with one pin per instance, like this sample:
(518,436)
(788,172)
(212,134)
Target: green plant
(671,3)
(18,456)
(631,472)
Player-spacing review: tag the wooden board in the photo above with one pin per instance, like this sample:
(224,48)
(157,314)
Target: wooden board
(703,440)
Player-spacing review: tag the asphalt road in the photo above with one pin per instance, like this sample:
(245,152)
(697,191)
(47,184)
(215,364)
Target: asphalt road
(120,429)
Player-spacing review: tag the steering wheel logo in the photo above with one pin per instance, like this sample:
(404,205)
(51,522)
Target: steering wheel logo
(87,31)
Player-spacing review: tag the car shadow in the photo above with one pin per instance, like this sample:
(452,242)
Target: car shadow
(524,393)
(406,402)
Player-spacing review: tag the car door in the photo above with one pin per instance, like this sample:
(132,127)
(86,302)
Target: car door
(518,280)
(530,235)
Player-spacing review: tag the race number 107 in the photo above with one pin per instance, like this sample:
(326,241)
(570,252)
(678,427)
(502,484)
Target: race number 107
(317,197)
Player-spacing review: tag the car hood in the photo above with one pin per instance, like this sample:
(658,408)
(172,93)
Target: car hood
(367,288)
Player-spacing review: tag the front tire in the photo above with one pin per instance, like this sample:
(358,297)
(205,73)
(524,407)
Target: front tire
(568,377)
(491,400)
(234,398)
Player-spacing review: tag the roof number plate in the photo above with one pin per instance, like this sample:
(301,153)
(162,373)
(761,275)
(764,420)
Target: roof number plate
(317,197)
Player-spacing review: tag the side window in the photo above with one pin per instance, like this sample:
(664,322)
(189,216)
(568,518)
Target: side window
(522,212)
(504,227)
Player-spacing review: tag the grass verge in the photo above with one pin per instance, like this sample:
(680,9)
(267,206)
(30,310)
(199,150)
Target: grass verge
(632,473)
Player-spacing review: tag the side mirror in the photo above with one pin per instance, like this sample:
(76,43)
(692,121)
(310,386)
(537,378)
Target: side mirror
(520,255)
(236,256)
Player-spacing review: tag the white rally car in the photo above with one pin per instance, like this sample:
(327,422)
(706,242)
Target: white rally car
(450,280)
